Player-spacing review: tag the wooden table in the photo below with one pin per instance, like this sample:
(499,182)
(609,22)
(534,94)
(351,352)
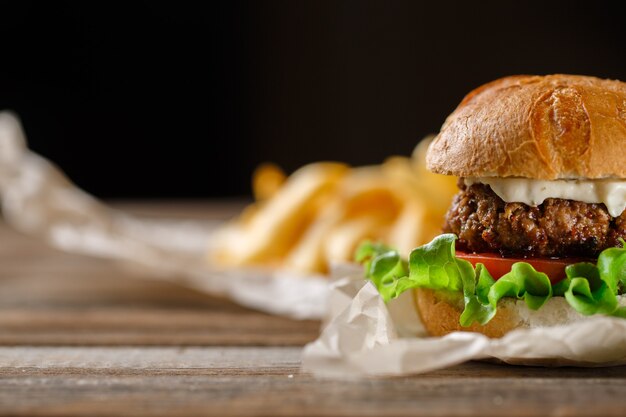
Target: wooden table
(81,336)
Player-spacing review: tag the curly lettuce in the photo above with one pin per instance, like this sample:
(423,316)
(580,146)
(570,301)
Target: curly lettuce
(588,288)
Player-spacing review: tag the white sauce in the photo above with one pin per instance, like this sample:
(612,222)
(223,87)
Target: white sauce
(611,192)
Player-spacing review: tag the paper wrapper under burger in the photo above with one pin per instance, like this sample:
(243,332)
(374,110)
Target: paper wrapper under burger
(364,336)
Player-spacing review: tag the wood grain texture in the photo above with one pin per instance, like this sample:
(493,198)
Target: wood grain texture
(266,381)
(80,336)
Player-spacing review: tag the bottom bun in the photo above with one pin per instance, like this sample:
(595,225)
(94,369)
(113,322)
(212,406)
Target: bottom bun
(440,312)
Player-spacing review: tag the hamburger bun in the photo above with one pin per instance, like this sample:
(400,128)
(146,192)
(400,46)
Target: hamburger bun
(541,127)
(440,313)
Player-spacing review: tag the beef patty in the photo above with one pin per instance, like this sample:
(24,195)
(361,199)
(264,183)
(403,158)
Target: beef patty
(556,228)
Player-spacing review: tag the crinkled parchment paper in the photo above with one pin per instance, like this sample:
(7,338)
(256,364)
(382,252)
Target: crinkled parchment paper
(39,200)
(365,336)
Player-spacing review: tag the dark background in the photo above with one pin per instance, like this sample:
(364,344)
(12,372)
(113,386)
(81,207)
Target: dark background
(154,99)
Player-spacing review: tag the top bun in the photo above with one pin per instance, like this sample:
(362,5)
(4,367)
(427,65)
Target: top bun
(543,127)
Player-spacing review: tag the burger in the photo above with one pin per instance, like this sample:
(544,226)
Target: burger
(535,235)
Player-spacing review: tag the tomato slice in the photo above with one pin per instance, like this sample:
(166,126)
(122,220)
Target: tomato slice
(497,266)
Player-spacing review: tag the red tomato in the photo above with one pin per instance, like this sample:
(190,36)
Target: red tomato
(497,266)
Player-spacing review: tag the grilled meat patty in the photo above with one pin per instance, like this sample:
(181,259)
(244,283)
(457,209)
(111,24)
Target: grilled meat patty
(557,228)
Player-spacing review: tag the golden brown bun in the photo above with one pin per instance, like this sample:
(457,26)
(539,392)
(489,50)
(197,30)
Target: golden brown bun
(440,313)
(441,317)
(543,127)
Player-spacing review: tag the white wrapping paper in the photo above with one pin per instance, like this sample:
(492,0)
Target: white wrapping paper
(363,336)
(38,200)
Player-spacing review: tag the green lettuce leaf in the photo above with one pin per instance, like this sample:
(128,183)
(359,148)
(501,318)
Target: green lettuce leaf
(384,267)
(588,288)
(435,266)
(476,289)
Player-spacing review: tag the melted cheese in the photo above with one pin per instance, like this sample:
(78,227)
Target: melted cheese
(610,192)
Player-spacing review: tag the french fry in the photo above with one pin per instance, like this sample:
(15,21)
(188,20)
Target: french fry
(362,196)
(409,229)
(342,242)
(267,179)
(307,253)
(435,190)
(280,221)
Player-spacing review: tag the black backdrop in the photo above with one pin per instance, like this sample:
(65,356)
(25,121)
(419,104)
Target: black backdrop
(154,99)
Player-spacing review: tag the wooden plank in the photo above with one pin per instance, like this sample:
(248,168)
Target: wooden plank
(124,357)
(266,381)
(100,305)
(141,327)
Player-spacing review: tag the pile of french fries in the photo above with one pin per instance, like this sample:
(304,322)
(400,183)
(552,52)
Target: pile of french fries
(323,211)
